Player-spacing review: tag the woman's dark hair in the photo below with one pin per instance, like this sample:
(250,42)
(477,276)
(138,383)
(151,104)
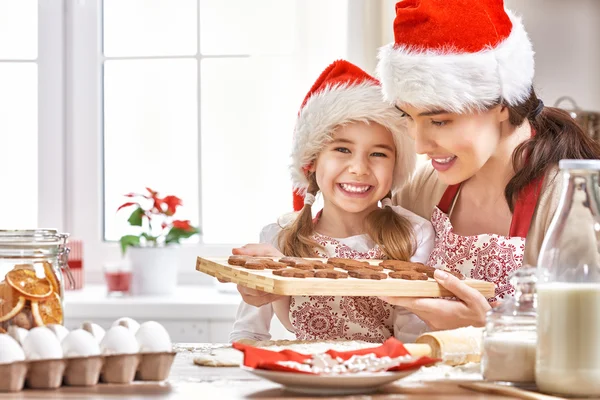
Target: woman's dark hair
(557,136)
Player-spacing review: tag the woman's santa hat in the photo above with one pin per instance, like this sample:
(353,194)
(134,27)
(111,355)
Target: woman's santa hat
(344,94)
(456,55)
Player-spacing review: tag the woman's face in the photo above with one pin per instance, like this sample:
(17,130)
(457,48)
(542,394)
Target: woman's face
(356,169)
(459,145)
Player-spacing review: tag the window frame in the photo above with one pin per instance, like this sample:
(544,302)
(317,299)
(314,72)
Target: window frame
(85,214)
(51,116)
(84,186)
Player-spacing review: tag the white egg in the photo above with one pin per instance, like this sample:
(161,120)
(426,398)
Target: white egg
(10,351)
(153,338)
(96,330)
(128,323)
(18,333)
(42,344)
(119,340)
(60,331)
(80,343)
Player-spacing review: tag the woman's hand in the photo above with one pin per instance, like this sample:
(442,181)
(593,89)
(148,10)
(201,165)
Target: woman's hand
(257,250)
(441,314)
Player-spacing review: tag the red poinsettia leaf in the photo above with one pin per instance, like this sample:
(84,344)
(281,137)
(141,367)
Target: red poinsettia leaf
(132,194)
(183,225)
(172,202)
(126,205)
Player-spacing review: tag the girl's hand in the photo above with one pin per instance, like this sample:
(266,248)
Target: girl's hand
(254,250)
(257,298)
(257,250)
(441,314)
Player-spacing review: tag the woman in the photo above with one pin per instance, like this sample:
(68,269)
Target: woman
(491,188)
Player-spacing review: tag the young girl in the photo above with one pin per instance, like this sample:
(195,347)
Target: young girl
(350,146)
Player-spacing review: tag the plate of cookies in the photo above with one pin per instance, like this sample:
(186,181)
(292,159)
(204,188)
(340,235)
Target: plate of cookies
(296,276)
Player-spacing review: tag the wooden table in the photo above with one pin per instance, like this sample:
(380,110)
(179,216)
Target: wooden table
(188,381)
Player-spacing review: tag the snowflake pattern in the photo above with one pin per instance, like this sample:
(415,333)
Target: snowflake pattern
(486,257)
(342,317)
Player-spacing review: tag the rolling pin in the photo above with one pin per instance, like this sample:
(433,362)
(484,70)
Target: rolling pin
(418,349)
(454,347)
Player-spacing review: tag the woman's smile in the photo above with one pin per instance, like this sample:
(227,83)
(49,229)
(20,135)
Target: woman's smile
(442,163)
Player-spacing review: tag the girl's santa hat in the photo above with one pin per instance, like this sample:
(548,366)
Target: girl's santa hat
(344,94)
(456,55)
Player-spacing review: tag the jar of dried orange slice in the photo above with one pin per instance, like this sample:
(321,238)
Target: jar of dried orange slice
(31,277)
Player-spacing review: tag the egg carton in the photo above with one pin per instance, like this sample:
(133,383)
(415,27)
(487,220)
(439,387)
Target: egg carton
(85,371)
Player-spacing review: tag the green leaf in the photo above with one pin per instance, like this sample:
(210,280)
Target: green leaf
(128,240)
(176,234)
(135,219)
(149,237)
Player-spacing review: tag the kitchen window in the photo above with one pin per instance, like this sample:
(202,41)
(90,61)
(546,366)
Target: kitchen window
(195,98)
(31,114)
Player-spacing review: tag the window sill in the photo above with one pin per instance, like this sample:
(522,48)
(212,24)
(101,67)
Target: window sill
(188,303)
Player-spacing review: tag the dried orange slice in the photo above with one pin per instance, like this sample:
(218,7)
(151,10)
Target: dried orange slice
(51,276)
(11,303)
(47,311)
(28,284)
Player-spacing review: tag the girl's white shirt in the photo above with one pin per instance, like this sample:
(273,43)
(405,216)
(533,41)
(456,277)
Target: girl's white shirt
(255,322)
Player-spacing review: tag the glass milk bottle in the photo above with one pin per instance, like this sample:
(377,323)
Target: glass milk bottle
(509,339)
(568,287)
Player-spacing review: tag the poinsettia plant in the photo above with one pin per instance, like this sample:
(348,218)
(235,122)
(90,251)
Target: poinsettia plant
(155,217)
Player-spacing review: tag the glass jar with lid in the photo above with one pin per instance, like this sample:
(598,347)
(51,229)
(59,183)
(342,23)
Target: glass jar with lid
(568,287)
(509,338)
(31,277)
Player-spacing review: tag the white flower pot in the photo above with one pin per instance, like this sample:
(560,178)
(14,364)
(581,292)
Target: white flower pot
(153,269)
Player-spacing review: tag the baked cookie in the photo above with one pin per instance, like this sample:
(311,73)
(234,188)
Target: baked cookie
(255,264)
(294,273)
(270,264)
(238,260)
(408,275)
(457,274)
(367,274)
(398,265)
(331,274)
(290,261)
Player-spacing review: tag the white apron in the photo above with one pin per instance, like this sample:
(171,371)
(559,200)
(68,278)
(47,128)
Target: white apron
(342,317)
(487,257)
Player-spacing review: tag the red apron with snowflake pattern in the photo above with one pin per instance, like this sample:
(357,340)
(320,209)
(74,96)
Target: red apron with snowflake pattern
(487,257)
(342,317)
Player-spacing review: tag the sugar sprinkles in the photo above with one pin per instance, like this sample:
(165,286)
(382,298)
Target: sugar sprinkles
(325,364)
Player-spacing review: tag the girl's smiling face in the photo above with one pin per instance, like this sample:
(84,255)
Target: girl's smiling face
(355,170)
(459,145)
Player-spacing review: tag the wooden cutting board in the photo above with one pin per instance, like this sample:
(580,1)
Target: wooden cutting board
(265,280)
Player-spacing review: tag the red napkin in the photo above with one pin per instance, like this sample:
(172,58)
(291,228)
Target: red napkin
(255,357)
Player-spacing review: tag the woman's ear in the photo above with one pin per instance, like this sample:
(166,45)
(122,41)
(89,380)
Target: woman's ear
(503,114)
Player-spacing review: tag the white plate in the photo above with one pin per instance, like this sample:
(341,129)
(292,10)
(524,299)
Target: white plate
(330,384)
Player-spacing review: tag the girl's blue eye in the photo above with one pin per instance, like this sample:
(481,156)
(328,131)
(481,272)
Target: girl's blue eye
(438,123)
(379,154)
(342,149)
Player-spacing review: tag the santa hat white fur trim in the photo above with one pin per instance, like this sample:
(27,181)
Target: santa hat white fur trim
(342,104)
(459,82)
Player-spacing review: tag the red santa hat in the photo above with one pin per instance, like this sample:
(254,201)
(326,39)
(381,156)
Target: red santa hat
(457,55)
(344,94)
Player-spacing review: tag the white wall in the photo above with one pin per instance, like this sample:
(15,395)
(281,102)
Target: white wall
(566,39)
